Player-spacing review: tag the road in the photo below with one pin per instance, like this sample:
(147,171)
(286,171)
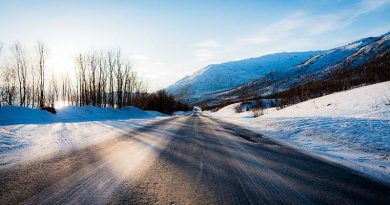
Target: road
(187,160)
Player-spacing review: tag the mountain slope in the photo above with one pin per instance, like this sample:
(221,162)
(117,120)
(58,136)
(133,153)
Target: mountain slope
(220,77)
(275,72)
(324,65)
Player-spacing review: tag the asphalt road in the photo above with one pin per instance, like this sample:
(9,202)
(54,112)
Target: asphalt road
(187,160)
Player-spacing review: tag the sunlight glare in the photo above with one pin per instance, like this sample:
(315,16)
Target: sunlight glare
(60,104)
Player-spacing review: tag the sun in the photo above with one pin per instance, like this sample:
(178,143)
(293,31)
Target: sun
(60,104)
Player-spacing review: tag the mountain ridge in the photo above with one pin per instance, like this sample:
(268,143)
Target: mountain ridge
(286,68)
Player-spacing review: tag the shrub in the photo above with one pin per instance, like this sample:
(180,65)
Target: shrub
(238,108)
(257,108)
(257,111)
(282,103)
(273,103)
(160,101)
(50,109)
(386,100)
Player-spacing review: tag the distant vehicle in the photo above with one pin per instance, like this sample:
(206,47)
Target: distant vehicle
(197,109)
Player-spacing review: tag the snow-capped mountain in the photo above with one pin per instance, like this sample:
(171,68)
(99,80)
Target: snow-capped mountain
(283,69)
(352,55)
(221,77)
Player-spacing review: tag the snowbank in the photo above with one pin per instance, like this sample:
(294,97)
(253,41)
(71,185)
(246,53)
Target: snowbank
(365,102)
(181,113)
(15,115)
(27,133)
(20,115)
(351,127)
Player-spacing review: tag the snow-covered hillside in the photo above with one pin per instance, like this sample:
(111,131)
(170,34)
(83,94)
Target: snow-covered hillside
(27,133)
(220,77)
(219,80)
(351,127)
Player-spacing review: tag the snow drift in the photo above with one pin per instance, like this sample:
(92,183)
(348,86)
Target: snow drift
(26,133)
(350,127)
(22,115)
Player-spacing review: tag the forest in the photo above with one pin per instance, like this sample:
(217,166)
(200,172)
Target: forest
(102,79)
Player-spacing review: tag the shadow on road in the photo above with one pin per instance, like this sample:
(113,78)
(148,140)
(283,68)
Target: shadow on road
(20,182)
(206,163)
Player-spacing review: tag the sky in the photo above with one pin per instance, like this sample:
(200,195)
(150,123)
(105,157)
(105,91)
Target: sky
(166,40)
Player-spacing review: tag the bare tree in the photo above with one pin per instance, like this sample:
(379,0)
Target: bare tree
(41,67)
(111,67)
(66,88)
(82,80)
(102,92)
(21,70)
(53,91)
(257,107)
(8,91)
(92,67)
(119,79)
(32,88)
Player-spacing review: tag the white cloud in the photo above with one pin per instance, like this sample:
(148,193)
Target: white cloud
(138,58)
(204,54)
(310,25)
(205,50)
(278,30)
(207,44)
(366,6)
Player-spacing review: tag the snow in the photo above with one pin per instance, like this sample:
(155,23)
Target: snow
(351,128)
(353,45)
(27,134)
(363,102)
(22,115)
(221,77)
(181,113)
(212,81)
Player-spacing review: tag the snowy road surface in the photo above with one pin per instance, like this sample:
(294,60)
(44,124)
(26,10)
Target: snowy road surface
(187,160)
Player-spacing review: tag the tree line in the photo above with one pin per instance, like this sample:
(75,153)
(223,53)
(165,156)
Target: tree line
(344,77)
(103,79)
(106,79)
(22,79)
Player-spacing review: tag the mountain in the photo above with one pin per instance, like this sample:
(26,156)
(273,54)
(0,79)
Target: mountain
(221,77)
(271,73)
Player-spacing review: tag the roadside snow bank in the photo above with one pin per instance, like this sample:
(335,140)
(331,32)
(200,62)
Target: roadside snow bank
(14,115)
(350,127)
(20,115)
(371,101)
(27,133)
(181,113)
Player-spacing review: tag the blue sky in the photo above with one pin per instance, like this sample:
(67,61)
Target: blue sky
(167,40)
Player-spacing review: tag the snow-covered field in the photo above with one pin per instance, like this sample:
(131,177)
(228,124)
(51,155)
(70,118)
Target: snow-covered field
(27,134)
(351,128)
